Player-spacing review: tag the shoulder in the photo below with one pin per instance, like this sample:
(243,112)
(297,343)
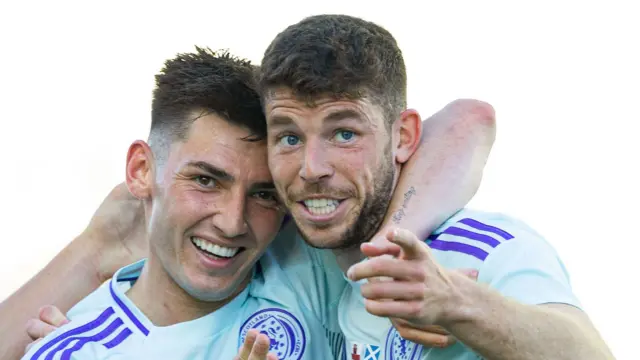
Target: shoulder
(91,322)
(97,300)
(491,235)
(492,243)
(99,323)
(475,235)
(511,257)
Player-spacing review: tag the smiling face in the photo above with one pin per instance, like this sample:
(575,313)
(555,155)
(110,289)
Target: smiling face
(334,162)
(333,166)
(213,209)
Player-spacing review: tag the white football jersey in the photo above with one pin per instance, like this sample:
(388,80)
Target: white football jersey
(511,258)
(287,300)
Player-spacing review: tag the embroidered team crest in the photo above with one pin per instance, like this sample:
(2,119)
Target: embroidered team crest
(285,332)
(397,348)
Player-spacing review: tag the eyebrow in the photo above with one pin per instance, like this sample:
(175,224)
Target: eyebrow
(264,186)
(225,176)
(336,116)
(212,170)
(280,120)
(344,114)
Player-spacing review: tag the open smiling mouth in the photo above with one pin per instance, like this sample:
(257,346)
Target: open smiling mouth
(215,251)
(321,206)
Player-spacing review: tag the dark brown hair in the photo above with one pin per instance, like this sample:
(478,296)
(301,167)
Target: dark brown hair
(204,81)
(338,56)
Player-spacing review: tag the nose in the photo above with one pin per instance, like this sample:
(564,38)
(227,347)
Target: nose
(230,220)
(316,166)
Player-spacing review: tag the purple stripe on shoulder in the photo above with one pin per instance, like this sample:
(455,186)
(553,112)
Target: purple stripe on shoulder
(124,334)
(82,341)
(127,311)
(459,247)
(101,319)
(456,231)
(484,227)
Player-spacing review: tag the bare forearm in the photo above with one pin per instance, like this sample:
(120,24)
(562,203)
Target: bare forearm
(445,172)
(500,328)
(69,277)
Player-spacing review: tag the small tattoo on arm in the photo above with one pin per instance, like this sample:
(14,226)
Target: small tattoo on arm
(399,214)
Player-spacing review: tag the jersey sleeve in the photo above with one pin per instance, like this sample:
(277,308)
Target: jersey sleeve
(528,269)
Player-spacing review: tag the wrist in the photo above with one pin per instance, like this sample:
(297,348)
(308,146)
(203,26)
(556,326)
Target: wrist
(98,251)
(464,303)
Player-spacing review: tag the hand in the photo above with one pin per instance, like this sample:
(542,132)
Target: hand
(430,335)
(420,291)
(119,226)
(49,319)
(255,347)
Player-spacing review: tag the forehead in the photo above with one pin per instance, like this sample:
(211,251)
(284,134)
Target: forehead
(218,142)
(282,108)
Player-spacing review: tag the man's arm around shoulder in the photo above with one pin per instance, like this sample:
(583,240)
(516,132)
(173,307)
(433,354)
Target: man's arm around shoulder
(68,278)
(114,238)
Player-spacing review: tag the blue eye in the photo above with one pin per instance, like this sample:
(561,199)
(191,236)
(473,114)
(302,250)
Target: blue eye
(345,135)
(289,140)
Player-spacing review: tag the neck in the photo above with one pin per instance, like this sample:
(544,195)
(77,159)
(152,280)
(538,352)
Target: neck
(348,257)
(164,302)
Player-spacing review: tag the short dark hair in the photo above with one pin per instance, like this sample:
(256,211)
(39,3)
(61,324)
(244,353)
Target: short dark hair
(204,81)
(338,56)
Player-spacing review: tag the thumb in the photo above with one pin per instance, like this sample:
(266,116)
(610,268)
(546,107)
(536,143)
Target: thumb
(52,316)
(469,273)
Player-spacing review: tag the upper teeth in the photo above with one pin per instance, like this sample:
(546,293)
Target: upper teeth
(214,249)
(321,206)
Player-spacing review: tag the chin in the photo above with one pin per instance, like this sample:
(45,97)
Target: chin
(213,289)
(331,238)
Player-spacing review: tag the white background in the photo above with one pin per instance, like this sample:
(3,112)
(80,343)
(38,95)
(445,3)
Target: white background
(76,80)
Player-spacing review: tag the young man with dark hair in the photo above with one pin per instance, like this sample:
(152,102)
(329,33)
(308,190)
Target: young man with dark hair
(339,133)
(210,212)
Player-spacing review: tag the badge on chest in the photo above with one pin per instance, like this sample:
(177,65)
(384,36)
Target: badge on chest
(397,348)
(285,332)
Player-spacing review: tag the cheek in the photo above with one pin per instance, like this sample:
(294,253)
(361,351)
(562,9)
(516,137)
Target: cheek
(187,207)
(283,167)
(265,224)
(353,165)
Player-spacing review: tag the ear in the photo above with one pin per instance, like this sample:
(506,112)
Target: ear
(140,172)
(409,128)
